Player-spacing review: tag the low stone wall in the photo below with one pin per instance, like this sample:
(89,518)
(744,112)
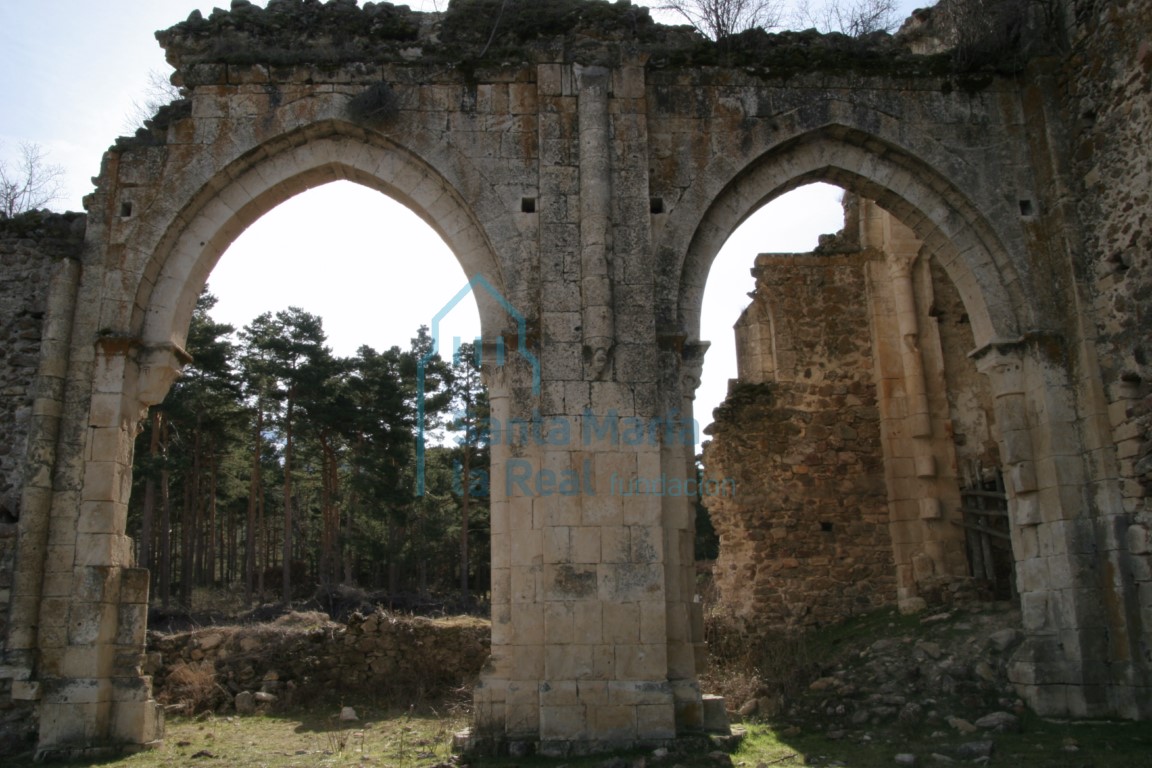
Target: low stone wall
(380,659)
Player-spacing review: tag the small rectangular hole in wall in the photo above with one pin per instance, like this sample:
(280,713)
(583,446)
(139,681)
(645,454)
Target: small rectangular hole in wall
(1025,207)
(125,209)
(826,527)
(528,205)
(656,205)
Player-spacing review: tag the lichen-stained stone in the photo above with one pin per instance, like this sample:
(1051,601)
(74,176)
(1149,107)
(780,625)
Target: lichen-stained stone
(585,168)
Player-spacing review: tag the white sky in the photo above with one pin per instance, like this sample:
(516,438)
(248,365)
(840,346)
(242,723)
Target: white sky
(70,71)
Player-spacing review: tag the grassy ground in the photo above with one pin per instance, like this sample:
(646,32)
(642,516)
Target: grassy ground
(410,740)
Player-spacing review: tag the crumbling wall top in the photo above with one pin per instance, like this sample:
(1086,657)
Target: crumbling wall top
(337,32)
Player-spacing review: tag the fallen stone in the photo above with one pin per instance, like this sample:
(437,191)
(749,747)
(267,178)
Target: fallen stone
(961,725)
(974,750)
(1004,639)
(265,697)
(822,684)
(208,642)
(999,721)
(985,672)
(245,703)
(906,758)
(931,650)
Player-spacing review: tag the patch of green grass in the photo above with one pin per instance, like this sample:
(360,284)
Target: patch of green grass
(410,740)
(1103,744)
(292,740)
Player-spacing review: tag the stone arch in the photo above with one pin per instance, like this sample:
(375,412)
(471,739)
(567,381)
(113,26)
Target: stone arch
(951,226)
(243,191)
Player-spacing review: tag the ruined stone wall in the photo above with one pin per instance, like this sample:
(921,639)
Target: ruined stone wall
(304,658)
(1108,101)
(30,247)
(804,537)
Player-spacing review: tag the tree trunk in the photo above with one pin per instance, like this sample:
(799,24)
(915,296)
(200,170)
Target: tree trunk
(165,519)
(287,565)
(465,502)
(210,555)
(250,533)
(148,514)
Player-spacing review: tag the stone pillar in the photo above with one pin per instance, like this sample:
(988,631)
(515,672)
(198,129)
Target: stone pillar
(94,611)
(918,452)
(1061,668)
(593,646)
(682,364)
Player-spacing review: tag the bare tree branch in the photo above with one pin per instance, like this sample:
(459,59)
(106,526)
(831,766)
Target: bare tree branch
(720,18)
(855,18)
(158,93)
(33,183)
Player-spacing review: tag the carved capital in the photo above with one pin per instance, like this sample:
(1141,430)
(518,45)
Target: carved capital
(692,367)
(1002,361)
(158,366)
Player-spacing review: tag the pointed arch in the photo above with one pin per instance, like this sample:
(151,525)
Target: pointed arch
(242,192)
(950,226)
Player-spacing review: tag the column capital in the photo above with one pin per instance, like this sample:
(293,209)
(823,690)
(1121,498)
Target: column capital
(158,366)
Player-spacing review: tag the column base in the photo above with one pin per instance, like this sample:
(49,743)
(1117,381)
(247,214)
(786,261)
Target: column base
(466,742)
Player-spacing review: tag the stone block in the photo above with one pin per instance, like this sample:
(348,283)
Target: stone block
(615,544)
(930,508)
(559,623)
(655,620)
(1032,575)
(641,662)
(527,662)
(1022,477)
(715,715)
(1027,509)
(656,721)
(593,693)
(621,623)
(527,623)
(563,723)
(612,722)
(568,662)
(559,693)
(1139,539)
(588,623)
(525,583)
(98,584)
(521,721)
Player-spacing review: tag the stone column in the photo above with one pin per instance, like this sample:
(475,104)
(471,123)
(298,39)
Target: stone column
(918,450)
(1061,668)
(95,696)
(593,646)
(687,653)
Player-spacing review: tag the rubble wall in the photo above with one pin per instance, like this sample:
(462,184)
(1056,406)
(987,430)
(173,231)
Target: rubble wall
(305,658)
(804,539)
(31,245)
(1109,108)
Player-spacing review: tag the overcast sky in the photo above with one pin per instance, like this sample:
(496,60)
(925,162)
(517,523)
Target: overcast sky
(70,72)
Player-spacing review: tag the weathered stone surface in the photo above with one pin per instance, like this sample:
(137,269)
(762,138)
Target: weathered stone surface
(641,149)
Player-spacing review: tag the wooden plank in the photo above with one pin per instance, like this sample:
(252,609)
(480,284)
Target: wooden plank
(987,512)
(982,529)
